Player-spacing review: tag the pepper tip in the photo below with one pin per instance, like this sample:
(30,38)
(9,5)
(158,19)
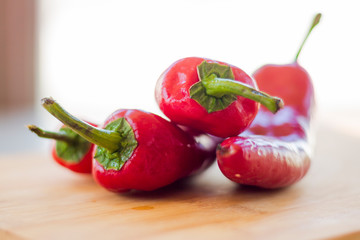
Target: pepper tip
(222,150)
(279,104)
(31,127)
(47,101)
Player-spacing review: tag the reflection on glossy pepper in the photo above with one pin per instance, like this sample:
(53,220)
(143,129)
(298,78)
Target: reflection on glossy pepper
(275,152)
(138,150)
(210,96)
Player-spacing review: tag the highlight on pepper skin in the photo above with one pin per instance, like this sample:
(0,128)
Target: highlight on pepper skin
(137,149)
(276,150)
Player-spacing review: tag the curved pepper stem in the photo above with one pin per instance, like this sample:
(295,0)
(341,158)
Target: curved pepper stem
(59,136)
(101,137)
(217,89)
(220,86)
(314,23)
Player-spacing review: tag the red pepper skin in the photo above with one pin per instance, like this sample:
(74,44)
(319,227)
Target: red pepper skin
(164,154)
(207,145)
(262,161)
(83,166)
(172,96)
(275,152)
(297,92)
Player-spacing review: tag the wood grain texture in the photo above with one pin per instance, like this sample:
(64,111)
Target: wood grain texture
(41,200)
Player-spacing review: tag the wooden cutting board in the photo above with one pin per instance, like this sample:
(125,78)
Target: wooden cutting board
(41,200)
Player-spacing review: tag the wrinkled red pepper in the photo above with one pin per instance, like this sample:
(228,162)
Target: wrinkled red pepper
(210,96)
(69,150)
(138,150)
(275,152)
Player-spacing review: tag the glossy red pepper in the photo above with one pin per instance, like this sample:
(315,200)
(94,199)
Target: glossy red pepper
(69,150)
(138,150)
(210,96)
(275,152)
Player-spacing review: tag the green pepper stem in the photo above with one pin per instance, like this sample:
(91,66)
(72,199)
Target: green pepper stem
(221,86)
(104,138)
(314,23)
(59,136)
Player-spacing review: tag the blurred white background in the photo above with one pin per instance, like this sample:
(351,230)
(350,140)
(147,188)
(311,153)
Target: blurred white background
(95,56)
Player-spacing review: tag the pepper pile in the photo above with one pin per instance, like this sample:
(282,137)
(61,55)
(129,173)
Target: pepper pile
(215,113)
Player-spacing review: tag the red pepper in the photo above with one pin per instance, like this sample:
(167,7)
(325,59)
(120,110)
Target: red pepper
(276,150)
(210,96)
(69,150)
(137,150)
